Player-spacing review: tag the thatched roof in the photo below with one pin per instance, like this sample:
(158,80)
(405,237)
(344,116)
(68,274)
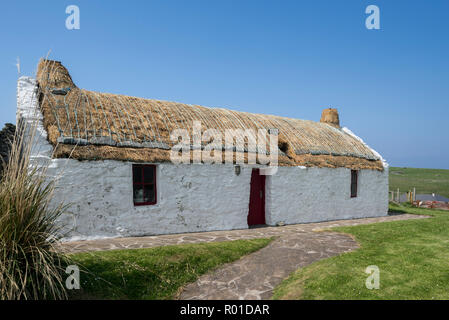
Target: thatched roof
(110,126)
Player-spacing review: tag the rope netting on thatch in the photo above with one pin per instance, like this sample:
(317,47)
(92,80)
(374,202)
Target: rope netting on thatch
(74,116)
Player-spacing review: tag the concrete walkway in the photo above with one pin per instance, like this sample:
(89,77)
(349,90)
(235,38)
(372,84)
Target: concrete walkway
(254,276)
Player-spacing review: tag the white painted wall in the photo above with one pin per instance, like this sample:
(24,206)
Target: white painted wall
(193,198)
(300,194)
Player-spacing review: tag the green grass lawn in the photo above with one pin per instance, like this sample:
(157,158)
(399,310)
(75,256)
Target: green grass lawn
(424,180)
(412,255)
(154,273)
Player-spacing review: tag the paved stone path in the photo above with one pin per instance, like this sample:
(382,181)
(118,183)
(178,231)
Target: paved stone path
(254,276)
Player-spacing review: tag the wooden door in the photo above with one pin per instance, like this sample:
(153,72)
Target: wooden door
(256,212)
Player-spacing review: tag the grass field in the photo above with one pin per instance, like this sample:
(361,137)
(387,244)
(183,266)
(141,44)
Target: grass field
(412,256)
(424,180)
(154,273)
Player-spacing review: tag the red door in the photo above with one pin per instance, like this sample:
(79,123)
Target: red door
(256,213)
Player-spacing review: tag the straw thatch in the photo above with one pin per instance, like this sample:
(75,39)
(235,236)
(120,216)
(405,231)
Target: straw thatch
(109,126)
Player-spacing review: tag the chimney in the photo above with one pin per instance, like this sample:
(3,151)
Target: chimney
(330,116)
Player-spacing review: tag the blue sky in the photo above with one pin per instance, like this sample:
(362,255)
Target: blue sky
(289,58)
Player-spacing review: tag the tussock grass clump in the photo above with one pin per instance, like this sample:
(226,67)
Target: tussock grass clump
(29,266)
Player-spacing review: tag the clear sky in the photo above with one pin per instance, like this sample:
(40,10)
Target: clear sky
(289,58)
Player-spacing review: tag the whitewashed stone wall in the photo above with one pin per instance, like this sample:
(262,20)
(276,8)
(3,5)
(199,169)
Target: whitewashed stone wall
(300,194)
(192,198)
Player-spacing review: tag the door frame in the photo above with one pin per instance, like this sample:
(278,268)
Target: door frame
(257,192)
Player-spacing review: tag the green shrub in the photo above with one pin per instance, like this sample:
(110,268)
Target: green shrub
(30,268)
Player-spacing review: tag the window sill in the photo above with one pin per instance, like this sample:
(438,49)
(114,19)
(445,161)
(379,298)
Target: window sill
(144,204)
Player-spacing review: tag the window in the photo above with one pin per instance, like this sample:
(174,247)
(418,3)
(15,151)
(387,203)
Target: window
(144,184)
(354,177)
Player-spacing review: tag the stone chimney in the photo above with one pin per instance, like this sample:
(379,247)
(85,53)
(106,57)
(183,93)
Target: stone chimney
(330,116)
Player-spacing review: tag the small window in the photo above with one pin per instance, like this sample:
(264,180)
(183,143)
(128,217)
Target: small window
(144,184)
(354,177)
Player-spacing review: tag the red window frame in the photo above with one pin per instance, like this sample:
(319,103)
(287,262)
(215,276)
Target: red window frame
(354,182)
(144,183)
